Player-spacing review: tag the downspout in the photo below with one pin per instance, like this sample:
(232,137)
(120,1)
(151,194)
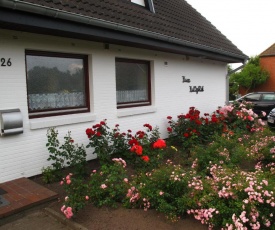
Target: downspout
(55,13)
(227,80)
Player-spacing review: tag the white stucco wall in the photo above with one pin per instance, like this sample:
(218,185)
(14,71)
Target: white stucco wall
(24,155)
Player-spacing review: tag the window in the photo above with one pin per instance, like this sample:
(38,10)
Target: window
(133,83)
(253,97)
(145,3)
(57,83)
(268,97)
(139,2)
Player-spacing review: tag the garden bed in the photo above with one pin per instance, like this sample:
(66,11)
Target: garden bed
(108,218)
(221,172)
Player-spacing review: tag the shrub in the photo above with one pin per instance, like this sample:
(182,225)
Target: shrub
(142,149)
(159,189)
(191,129)
(109,185)
(66,155)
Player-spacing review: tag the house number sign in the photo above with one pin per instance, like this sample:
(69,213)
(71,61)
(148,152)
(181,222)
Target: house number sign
(196,89)
(5,62)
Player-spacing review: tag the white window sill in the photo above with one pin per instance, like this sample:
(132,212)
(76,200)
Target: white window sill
(47,122)
(135,111)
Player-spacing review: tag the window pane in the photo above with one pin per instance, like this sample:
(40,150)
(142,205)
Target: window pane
(253,97)
(55,82)
(268,97)
(132,82)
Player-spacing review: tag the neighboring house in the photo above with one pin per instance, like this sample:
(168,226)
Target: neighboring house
(267,62)
(72,63)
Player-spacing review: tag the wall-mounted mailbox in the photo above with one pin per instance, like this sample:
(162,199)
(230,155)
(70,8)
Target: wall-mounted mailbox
(11,122)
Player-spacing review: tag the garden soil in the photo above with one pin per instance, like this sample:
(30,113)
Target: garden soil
(49,216)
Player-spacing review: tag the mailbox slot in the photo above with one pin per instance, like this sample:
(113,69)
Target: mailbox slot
(11,122)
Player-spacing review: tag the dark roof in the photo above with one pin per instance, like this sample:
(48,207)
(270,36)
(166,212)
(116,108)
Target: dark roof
(174,21)
(270,51)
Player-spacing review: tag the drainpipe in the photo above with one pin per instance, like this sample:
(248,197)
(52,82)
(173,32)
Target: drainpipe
(56,13)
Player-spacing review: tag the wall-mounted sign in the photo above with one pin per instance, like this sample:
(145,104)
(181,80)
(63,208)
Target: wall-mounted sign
(185,80)
(196,89)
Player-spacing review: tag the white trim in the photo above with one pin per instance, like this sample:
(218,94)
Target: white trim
(135,111)
(55,121)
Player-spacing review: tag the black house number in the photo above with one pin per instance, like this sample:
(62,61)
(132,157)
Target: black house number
(5,62)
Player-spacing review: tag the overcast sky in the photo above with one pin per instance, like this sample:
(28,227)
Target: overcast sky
(248,24)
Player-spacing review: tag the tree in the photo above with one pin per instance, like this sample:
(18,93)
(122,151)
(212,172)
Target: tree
(250,76)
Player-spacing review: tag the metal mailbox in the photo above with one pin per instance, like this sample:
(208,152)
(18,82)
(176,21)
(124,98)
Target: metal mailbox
(11,122)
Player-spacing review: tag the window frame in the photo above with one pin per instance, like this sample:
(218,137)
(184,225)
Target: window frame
(67,110)
(149,79)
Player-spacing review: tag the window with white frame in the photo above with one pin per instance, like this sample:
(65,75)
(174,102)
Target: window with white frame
(145,3)
(57,83)
(133,83)
(139,2)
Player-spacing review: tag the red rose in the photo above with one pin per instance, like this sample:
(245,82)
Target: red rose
(186,135)
(159,144)
(136,149)
(169,129)
(198,122)
(97,126)
(133,142)
(169,117)
(214,119)
(89,132)
(98,134)
(148,126)
(72,141)
(102,123)
(145,158)
(141,135)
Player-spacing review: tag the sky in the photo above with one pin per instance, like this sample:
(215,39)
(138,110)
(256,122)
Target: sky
(248,24)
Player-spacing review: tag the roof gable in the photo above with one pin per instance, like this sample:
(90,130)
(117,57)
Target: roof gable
(174,21)
(270,51)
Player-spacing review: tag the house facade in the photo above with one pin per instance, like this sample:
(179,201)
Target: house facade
(71,64)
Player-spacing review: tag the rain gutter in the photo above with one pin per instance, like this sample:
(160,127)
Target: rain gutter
(60,14)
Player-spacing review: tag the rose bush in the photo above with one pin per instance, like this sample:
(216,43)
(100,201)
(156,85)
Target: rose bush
(142,149)
(226,182)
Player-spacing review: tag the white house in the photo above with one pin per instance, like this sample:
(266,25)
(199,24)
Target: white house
(72,63)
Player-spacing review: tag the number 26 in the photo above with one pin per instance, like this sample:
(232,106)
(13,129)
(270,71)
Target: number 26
(5,62)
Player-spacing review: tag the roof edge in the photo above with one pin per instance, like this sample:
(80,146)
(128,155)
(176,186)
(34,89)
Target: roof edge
(56,13)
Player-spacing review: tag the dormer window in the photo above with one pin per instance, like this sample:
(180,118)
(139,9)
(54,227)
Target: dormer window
(145,3)
(139,2)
